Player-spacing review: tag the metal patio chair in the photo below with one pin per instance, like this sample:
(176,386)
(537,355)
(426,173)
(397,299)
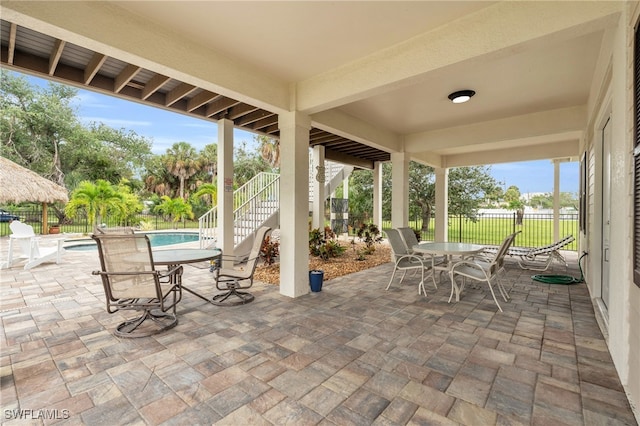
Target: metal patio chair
(440,263)
(131,282)
(405,260)
(483,269)
(233,281)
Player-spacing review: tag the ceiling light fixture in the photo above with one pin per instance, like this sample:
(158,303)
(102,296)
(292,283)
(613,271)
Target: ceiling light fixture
(461,96)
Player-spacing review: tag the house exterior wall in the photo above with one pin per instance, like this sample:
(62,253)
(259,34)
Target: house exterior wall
(633,321)
(612,98)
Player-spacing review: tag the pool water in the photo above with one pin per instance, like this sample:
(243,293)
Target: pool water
(156,240)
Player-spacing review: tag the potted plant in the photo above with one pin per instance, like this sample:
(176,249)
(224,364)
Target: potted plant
(54,229)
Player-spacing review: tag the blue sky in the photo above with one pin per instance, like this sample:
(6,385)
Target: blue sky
(165,128)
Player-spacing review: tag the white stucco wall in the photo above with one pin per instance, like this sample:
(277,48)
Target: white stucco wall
(631,316)
(612,95)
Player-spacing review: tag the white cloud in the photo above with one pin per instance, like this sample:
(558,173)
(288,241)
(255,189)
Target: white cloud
(117,122)
(91,100)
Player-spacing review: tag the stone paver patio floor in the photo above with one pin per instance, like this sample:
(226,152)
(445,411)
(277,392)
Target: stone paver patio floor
(353,354)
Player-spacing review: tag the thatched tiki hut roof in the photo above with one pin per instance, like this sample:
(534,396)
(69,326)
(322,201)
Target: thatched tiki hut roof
(19,185)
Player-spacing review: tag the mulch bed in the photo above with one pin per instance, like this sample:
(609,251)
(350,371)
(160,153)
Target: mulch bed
(334,267)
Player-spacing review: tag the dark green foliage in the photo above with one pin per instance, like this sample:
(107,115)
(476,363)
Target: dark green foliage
(269,250)
(370,234)
(324,247)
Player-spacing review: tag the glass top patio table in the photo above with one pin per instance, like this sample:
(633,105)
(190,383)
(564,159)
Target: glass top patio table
(185,255)
(448,248)
(174,257)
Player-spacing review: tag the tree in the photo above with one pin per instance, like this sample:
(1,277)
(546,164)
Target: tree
(209,161)
(96,199)
(182,162)
(361,195)
(269,150)
(157,179)
(512,197)
(545,201)
(40,130)
(34,122)
(101,152)
(176,208)
(468,189)
(247,164)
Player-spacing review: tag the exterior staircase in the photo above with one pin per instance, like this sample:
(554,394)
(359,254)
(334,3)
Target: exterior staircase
(257,203)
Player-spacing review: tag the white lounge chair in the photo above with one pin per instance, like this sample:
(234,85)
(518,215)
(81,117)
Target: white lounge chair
(24,237)
(538,258)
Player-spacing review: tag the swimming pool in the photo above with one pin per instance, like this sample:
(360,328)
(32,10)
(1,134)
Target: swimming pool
(155,238)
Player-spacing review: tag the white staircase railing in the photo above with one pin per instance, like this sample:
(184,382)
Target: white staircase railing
(258,200)
(253,203)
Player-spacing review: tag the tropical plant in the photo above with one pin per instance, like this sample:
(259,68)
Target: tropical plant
(96,199)
(208,191)
(176,208)
(370,235)
(322,247)
(269,250)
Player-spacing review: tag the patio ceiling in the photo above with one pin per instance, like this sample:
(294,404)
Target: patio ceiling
(373,76)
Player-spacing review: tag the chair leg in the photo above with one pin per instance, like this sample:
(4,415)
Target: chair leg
(391,280)
(129,329)
(503,290)
(234,288)
(494,295)
(453,284)
(421,284)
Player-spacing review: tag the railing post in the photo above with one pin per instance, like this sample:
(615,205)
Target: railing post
(459,228)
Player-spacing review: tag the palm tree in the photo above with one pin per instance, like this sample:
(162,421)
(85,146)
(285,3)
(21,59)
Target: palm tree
(96,199)
(208,190)
(182,161)
(269,150)
(177,208)
(209,160)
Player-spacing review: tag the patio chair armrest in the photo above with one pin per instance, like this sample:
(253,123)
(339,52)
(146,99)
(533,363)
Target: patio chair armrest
(173,271)
(126,273)
(466,262)
(419,258)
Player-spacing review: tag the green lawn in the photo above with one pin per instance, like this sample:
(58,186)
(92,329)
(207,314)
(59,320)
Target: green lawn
(536,232)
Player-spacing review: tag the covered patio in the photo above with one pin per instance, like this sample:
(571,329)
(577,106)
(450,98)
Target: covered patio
(351,354)
(554,80)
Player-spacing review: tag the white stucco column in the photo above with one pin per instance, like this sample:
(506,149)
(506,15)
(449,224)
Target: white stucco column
(317,220)
(377,194)
(345,195)
(399,189)
(556,200)
(225,189)
(442,205)
(345,188)
(294,203)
